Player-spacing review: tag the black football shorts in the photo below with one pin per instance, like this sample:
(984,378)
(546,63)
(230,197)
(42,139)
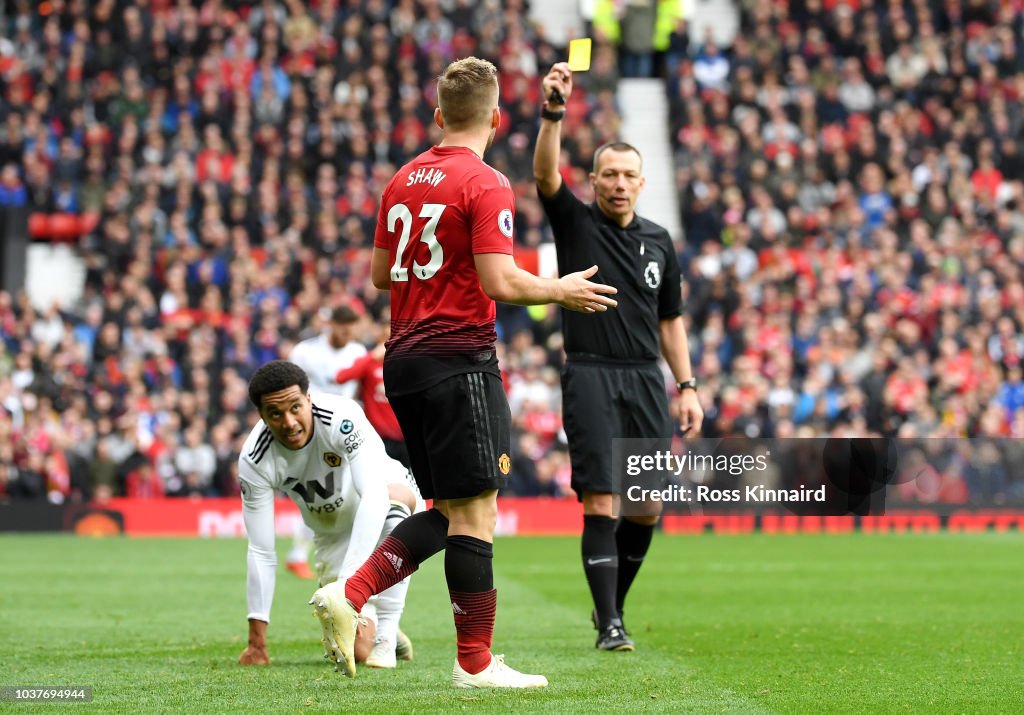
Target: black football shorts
(458,433)
(602,402)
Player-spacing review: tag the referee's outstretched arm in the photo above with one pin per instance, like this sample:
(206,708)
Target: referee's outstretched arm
(557,86)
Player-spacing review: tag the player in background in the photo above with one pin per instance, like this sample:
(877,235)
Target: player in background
(333,349)
(322,452)
(443,247)
(321,357)
(368,373)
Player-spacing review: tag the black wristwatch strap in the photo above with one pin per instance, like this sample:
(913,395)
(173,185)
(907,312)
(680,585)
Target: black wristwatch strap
(551,116)
(690,384)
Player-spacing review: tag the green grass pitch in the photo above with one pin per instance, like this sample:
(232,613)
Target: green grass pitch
(780,624)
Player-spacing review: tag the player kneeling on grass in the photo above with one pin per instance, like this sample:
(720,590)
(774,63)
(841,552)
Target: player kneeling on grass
(324,454)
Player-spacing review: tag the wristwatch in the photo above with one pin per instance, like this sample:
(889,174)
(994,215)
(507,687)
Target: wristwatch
(690,384)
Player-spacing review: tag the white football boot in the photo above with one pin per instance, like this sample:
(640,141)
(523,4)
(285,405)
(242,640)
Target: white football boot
(496,675)
(382,655)
(338,621)
(403,647)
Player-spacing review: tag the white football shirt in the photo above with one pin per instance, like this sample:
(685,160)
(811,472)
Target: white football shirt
(322,362)
(338,480)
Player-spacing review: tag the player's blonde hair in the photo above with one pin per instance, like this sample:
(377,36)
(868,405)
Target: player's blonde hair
(467,92)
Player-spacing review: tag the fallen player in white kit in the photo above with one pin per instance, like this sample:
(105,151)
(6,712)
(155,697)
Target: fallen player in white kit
(323,453)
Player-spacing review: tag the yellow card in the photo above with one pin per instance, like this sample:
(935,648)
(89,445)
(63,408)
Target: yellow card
(579,54)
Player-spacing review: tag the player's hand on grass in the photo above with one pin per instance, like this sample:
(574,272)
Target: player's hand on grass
(254,655)
(256,652)
(583,296)
(558,78)
(687,411)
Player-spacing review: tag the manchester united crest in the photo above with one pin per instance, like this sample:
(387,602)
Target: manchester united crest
(504,464)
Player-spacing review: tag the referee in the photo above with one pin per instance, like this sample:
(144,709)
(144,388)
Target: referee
(612,385)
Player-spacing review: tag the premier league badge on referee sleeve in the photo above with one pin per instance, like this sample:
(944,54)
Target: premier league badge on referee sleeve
(652,275)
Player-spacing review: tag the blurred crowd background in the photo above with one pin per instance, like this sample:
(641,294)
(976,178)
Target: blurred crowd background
(849,172)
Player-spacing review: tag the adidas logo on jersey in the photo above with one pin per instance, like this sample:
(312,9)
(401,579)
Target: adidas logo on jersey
(456,610)
(396,561)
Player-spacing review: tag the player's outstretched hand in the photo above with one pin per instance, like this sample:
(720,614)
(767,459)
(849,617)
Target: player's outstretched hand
(581,295)
(254,655)
(558,78)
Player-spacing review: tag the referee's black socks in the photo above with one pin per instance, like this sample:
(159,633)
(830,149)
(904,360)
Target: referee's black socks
(632,541)
(601,564)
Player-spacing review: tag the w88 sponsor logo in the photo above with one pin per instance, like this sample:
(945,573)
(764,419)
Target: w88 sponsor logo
(328,507)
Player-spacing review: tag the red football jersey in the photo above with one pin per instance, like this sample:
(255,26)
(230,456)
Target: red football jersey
(439,210)
(370,374)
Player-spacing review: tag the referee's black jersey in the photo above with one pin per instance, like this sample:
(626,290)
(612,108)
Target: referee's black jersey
(639,260)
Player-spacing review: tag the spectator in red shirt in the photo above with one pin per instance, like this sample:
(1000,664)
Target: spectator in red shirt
(143,482)
(215,161)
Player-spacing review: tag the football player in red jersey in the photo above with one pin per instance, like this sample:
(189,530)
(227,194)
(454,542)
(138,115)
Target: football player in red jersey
(369,371)
(443,247)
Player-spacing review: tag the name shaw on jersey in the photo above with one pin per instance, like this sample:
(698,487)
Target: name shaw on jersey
(426,176)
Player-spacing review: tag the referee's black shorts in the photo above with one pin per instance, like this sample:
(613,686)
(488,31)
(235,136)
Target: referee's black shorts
(603,401)
(458,433)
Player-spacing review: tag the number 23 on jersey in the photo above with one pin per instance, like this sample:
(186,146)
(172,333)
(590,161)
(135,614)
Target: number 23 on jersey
(400,218)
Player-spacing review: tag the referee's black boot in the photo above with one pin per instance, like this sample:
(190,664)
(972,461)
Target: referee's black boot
(613,637)
(597,625)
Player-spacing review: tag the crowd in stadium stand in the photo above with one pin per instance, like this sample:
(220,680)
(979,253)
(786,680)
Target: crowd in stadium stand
(851,180)
(849,173)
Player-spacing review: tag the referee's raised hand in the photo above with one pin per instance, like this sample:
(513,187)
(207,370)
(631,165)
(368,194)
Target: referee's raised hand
(582,295)
(557,84)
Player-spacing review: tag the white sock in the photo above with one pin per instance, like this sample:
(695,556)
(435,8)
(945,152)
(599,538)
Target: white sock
(390,604)
(302,542)
(391,601)
(397,513)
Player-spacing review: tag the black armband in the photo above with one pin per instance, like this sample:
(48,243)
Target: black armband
(551,116)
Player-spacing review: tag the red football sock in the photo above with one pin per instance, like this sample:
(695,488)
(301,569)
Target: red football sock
(388,564)
(412,542)
(474,627)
